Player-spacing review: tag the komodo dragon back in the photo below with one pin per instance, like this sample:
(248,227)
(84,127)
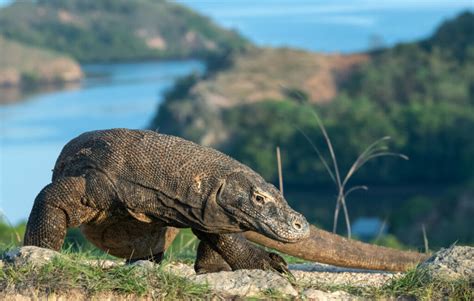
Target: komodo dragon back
(161,162)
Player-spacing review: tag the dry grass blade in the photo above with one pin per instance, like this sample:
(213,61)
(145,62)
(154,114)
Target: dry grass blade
(425,239)
(330,148)
(280,173)
(326,165)
(352,189)
(360,160)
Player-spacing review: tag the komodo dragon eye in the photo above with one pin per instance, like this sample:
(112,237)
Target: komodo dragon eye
(260,199)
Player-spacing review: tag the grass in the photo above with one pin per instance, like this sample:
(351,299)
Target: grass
(71,272)
(415,284)
(183,248)
(419,284)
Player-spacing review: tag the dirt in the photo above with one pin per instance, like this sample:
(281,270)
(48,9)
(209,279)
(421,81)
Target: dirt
(265,73)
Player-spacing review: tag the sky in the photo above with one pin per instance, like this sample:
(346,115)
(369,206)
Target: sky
(331,26)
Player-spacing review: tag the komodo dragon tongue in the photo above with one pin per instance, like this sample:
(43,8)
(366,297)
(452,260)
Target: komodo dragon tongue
(325,247)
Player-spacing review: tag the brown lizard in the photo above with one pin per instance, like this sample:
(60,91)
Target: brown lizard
(130,191)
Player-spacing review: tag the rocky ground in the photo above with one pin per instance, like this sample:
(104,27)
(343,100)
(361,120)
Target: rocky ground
(309,281)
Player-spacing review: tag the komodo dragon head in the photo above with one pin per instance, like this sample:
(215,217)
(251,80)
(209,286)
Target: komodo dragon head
(260,207)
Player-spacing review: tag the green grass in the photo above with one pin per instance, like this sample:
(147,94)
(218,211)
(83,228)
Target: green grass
(420,285)
(71,272)
(183,248)
(414,284)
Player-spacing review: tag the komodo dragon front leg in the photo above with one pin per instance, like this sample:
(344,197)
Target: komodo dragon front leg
(208,260)
(59,206)
(91,202)
(224,252)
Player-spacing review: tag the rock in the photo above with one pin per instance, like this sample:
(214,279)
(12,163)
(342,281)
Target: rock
(453,263)
(180,269)
(103,263)
(29,255)
(144,264)
(317,295)
(245,283)
(317,273)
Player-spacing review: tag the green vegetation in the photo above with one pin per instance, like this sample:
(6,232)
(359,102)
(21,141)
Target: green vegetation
(415,130)
(420,285)
(416,284)
(106,30)
(73,272)
(420,94)
(11,235)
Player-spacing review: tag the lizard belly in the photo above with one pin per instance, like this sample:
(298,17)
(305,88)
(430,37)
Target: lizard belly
(129,238)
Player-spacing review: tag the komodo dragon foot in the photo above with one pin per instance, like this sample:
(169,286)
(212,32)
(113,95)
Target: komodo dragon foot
(226,252)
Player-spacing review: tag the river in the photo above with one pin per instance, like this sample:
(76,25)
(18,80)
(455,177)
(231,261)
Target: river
(34,130)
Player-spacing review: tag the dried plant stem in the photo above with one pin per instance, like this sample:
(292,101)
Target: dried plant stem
(381,230)
(373,151)
(280,173)
(425,239)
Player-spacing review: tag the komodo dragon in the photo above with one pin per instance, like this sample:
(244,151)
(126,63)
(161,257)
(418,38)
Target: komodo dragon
(130,191)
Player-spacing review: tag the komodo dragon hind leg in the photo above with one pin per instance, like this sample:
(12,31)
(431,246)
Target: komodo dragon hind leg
(168,235)
(239,253)
(56,208)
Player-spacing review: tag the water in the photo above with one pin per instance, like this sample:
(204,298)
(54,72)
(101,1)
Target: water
(331,26)
(34,131)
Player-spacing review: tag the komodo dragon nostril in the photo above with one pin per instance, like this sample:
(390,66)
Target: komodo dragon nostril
(297,225)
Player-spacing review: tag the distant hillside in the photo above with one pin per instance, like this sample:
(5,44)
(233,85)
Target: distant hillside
(254,76)
(454,37)
(421,94)
(22,65)
(109,30)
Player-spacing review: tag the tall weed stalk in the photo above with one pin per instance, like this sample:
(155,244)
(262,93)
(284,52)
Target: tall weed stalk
(375,150)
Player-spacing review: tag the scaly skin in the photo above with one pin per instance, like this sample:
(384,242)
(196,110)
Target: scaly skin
(129,191)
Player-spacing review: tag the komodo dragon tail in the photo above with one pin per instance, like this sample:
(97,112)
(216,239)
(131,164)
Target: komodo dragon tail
(329,248)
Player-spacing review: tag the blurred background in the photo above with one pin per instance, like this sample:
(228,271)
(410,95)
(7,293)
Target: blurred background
(246,77)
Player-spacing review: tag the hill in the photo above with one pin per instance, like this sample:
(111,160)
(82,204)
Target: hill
(22,65)
(193,109)
(420,93)
(111,30)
